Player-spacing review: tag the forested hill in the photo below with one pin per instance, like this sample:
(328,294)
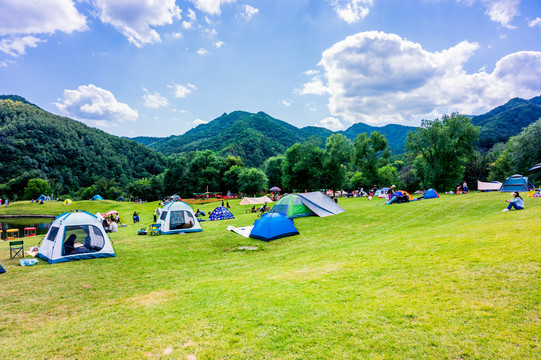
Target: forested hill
(35,143)
(256,137)
(499,124)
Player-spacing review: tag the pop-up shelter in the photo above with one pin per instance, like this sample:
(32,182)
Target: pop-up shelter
(272,226)
(517,183)
(75,235)
(43,198)
(97,198)
(306,204)
(381,193)
(177,217)
(221,213)
(488,186)
(431,194)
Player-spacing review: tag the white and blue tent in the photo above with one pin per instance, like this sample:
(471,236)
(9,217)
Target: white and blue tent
(177,217)
(75,235)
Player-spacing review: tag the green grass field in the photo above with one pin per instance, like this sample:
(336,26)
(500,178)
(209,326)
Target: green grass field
(450,278)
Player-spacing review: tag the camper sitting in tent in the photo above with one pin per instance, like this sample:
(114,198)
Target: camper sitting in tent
(516,202)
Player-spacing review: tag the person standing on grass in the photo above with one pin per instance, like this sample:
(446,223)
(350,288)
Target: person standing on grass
(465,187)
(517,202)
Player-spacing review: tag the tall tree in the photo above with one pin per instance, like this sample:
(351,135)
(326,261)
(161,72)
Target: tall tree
(205,169)
(339,152)
(443,147)
(252,181)
(522,152)
(371,154)
(273,170)
(302,166)
(36,187)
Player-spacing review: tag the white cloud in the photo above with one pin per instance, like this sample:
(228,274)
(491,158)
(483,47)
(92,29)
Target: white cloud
(25,17)
(331,123)
(191,15)
(177,35)
(154,100)
(287,102)
(249,12)
(186,25)
(198,122)
(314,87)
(17,46)
(536,22)
(95,106)
(202,51)
(380,78)
(213,7)
(351,11)
(218,44)
(500,11)
(135,18)
(28,17)
(182,91)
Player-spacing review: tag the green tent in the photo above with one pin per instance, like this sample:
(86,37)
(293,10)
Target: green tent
(292,206)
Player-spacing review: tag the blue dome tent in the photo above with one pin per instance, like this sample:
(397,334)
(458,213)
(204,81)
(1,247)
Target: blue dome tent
(431,194)
(220,213)
(273,226)
(96,198)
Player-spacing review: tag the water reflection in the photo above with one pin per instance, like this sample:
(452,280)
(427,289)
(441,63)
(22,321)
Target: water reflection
(42,225)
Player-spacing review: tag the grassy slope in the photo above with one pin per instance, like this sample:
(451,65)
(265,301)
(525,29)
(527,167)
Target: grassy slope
(448,278)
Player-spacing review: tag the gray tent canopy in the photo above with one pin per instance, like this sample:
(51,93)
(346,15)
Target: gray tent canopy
(320,203)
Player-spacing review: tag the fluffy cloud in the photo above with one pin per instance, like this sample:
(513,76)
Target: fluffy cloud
(249,12)
(536,22)
(502,11)
(154,100)
(380,78)
(202,51)
(287,102)
(182,91)
(331,123)
(95,105)
(213,7)
(351,11)
(135,18)
(17,46)
(218,44)
(24,17)
(198,122)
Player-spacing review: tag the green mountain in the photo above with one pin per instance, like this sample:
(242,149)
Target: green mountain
(256,137)
(499,124)
(71,155)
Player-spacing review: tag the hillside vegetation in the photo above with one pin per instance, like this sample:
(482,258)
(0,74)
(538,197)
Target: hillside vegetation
(37,144)
(448,278)
(256,137)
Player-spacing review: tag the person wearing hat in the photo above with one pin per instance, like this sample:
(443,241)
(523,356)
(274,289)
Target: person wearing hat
(517,202)
(391,191)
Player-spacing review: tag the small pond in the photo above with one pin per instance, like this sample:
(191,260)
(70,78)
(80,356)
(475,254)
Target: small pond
(42,225)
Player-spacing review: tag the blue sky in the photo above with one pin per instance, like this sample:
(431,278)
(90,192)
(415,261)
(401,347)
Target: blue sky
(161,67)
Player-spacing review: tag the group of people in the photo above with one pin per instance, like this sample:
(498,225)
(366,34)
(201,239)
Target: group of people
(110,224)
(6,202)
(227,204)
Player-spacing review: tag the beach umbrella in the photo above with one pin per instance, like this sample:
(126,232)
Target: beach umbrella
(535,167)
(276,188)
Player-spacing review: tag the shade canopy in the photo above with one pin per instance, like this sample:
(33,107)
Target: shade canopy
(255,201)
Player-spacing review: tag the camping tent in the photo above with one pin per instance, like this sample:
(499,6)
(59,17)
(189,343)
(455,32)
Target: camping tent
(517,183)
(535,167)
(120,199)
(306,204)
(43,197)
(404,192)
(67,202)
(398,197)
(2,269)
(177,217)
(75,236)
(431,194)
(220,213)
(273,226)
(255,201)
(96,198)
(488,186)
(381,193)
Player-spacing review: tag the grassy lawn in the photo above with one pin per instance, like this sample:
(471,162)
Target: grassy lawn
(449,278)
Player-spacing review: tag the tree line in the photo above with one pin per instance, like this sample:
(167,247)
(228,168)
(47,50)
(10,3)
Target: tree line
(440,154)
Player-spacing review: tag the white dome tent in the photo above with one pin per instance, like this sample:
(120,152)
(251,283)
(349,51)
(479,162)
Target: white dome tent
(75,235)
(178,217)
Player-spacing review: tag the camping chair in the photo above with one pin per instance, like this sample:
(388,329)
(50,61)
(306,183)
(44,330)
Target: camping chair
(154,229)
(16,248)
